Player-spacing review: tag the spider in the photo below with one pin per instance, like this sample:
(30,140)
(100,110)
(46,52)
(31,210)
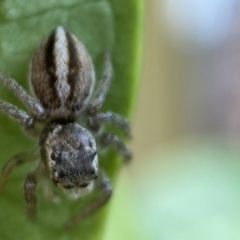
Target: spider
(61,77)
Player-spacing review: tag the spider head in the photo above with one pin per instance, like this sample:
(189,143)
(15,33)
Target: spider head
(70,156)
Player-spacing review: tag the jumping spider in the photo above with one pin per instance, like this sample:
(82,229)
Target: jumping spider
(61,77)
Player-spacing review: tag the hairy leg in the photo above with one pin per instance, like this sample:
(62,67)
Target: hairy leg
(107,139)
(104,184)
(13,162)
(30,102)
(103,86)
(49,193)
(109,117)
(30,196)
(21,116)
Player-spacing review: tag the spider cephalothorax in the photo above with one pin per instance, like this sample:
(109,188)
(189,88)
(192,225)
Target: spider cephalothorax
(62,78)
(69,153)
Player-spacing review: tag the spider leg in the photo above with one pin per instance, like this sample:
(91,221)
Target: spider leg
(107,139)
(49,193)
(21,116)
(109,117)
(12,163)
(104,185)
(31,103)
(29,188)
(103,86)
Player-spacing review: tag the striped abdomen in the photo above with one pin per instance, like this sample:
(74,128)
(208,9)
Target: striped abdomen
(61,74)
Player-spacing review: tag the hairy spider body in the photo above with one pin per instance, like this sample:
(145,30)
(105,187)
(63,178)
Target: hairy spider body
(61,78)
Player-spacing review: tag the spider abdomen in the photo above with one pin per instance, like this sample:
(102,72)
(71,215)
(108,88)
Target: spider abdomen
(61,74)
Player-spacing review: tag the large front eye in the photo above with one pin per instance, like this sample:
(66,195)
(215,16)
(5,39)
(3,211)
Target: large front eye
(83,185)
(53,157)
(68,186)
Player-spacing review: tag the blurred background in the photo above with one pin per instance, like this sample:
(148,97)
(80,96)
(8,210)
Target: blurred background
(184,182)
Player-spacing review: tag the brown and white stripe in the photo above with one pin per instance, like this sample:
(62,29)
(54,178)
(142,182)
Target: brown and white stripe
(62,74)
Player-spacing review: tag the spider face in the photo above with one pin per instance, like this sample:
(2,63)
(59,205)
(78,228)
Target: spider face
(69,153)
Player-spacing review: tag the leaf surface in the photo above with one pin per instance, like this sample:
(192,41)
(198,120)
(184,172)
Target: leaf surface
(99,24)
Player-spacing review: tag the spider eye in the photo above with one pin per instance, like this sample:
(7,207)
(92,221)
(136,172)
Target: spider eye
(53,157)
(68,186)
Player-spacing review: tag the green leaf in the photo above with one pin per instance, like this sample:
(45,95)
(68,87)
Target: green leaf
(99,24)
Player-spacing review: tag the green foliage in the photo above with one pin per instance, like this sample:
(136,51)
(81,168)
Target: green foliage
(99,24)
